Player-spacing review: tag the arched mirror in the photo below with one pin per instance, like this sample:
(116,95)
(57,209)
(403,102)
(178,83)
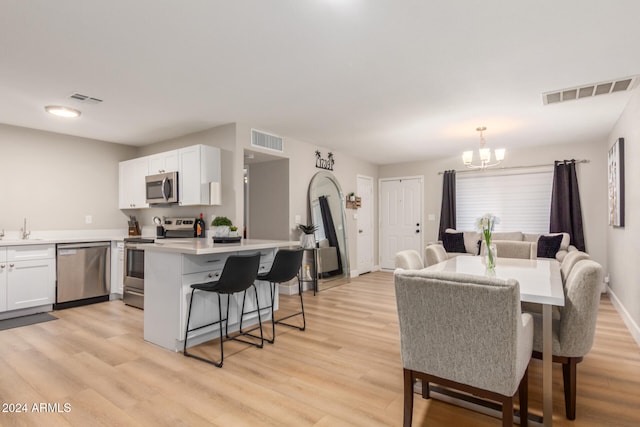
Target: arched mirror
(326,205)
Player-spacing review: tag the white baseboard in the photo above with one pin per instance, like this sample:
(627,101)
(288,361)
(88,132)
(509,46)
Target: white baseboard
(626,317)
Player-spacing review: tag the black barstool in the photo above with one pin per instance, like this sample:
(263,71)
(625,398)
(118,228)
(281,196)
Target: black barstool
(238,274)
(285,267)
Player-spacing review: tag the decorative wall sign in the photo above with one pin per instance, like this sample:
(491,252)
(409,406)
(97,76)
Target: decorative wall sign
(324,163)
(616,183)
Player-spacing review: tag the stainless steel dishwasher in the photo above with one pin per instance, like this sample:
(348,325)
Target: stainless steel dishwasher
(84,273)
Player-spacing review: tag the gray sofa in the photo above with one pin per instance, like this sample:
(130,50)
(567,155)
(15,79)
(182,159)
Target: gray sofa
(526,243)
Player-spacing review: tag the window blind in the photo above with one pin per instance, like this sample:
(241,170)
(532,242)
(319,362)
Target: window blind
(521,199)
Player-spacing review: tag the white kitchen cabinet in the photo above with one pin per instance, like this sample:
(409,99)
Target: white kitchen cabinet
(30,276)
(132,188)
(3,279)
(163,162)
(199,165)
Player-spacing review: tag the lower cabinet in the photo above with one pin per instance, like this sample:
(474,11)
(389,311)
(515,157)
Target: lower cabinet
(3,279)
(28,278)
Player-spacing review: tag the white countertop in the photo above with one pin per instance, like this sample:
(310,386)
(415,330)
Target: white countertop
(55,240)
(198,246)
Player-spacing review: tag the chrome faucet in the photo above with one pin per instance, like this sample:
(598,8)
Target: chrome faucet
(25,233)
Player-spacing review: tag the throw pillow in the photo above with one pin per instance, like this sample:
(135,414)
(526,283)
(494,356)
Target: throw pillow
(453,242)
(548,246)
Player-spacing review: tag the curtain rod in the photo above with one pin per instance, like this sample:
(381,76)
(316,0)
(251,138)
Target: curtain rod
(513,167)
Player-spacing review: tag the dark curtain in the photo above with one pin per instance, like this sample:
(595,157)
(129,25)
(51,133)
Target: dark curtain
(448,209)
(330,229)
(566,213)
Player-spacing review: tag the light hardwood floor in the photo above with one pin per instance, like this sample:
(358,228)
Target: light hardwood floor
(344,370)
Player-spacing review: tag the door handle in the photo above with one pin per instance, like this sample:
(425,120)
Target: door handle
(164,184)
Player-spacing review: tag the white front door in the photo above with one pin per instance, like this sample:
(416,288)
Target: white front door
(400,218)
(365,224)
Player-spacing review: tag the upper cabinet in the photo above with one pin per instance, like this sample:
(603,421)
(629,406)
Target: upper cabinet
(197,166)
(131,186)
(163,162)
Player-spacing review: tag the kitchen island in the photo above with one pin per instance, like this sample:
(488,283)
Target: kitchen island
(173,265)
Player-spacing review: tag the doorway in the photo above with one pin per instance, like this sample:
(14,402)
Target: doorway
(266,199)
(401,221)
(364,188)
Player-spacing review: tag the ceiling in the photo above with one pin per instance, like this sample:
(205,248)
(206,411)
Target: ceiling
(386,81)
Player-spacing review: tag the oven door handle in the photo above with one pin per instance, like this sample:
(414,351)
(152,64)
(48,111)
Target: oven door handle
(129,291)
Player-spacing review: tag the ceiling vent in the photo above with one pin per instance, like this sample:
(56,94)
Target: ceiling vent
(266,140)
(85,99)
(588,91)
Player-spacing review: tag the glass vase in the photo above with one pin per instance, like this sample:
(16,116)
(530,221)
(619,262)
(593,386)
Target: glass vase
(490,256)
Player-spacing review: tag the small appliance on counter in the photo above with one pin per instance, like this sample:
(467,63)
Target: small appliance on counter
(159,227)
(134,227)
(179,227)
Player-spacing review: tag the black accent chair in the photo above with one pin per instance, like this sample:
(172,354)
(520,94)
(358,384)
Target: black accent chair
(238,274)
(285,267)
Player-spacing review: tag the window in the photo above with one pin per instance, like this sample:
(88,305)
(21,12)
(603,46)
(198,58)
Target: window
(521,199)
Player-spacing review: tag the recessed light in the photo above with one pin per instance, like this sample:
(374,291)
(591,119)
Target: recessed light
(60,111)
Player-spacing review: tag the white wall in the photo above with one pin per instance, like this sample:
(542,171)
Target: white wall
(624,243)
(269,200)
(55,180)
(592,179)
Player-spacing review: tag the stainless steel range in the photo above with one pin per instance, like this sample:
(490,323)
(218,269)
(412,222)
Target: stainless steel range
(133,293)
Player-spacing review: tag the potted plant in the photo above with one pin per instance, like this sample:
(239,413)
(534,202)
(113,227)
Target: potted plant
(220,226)
(307,238)
(352,197)
(233,231)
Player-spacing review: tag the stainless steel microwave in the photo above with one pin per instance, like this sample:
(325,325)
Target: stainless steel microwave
(162,188)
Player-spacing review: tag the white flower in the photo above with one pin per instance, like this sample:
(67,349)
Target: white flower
(487,222)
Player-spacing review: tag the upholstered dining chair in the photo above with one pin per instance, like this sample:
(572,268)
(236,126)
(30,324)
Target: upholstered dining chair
(569,261)
(409,259)
(514,249)
(489,352)
(573,333)
(433,254)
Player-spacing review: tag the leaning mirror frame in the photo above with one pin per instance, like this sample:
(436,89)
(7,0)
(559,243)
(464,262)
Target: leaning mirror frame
(325,183)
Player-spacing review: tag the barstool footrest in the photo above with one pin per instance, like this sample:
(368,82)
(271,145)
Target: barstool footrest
(280,321)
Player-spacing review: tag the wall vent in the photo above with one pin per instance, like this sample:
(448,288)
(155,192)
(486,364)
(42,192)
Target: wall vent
(85,99)
(266,140)
(588,91)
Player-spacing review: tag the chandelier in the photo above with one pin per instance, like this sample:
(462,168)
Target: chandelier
(485,154)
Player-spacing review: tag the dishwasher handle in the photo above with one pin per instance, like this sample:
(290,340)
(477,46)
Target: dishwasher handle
(84,245)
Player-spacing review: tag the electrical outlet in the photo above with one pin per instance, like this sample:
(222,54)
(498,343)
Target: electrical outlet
(88,219)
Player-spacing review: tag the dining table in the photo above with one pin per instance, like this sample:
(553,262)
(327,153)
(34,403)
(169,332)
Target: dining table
(540,283)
